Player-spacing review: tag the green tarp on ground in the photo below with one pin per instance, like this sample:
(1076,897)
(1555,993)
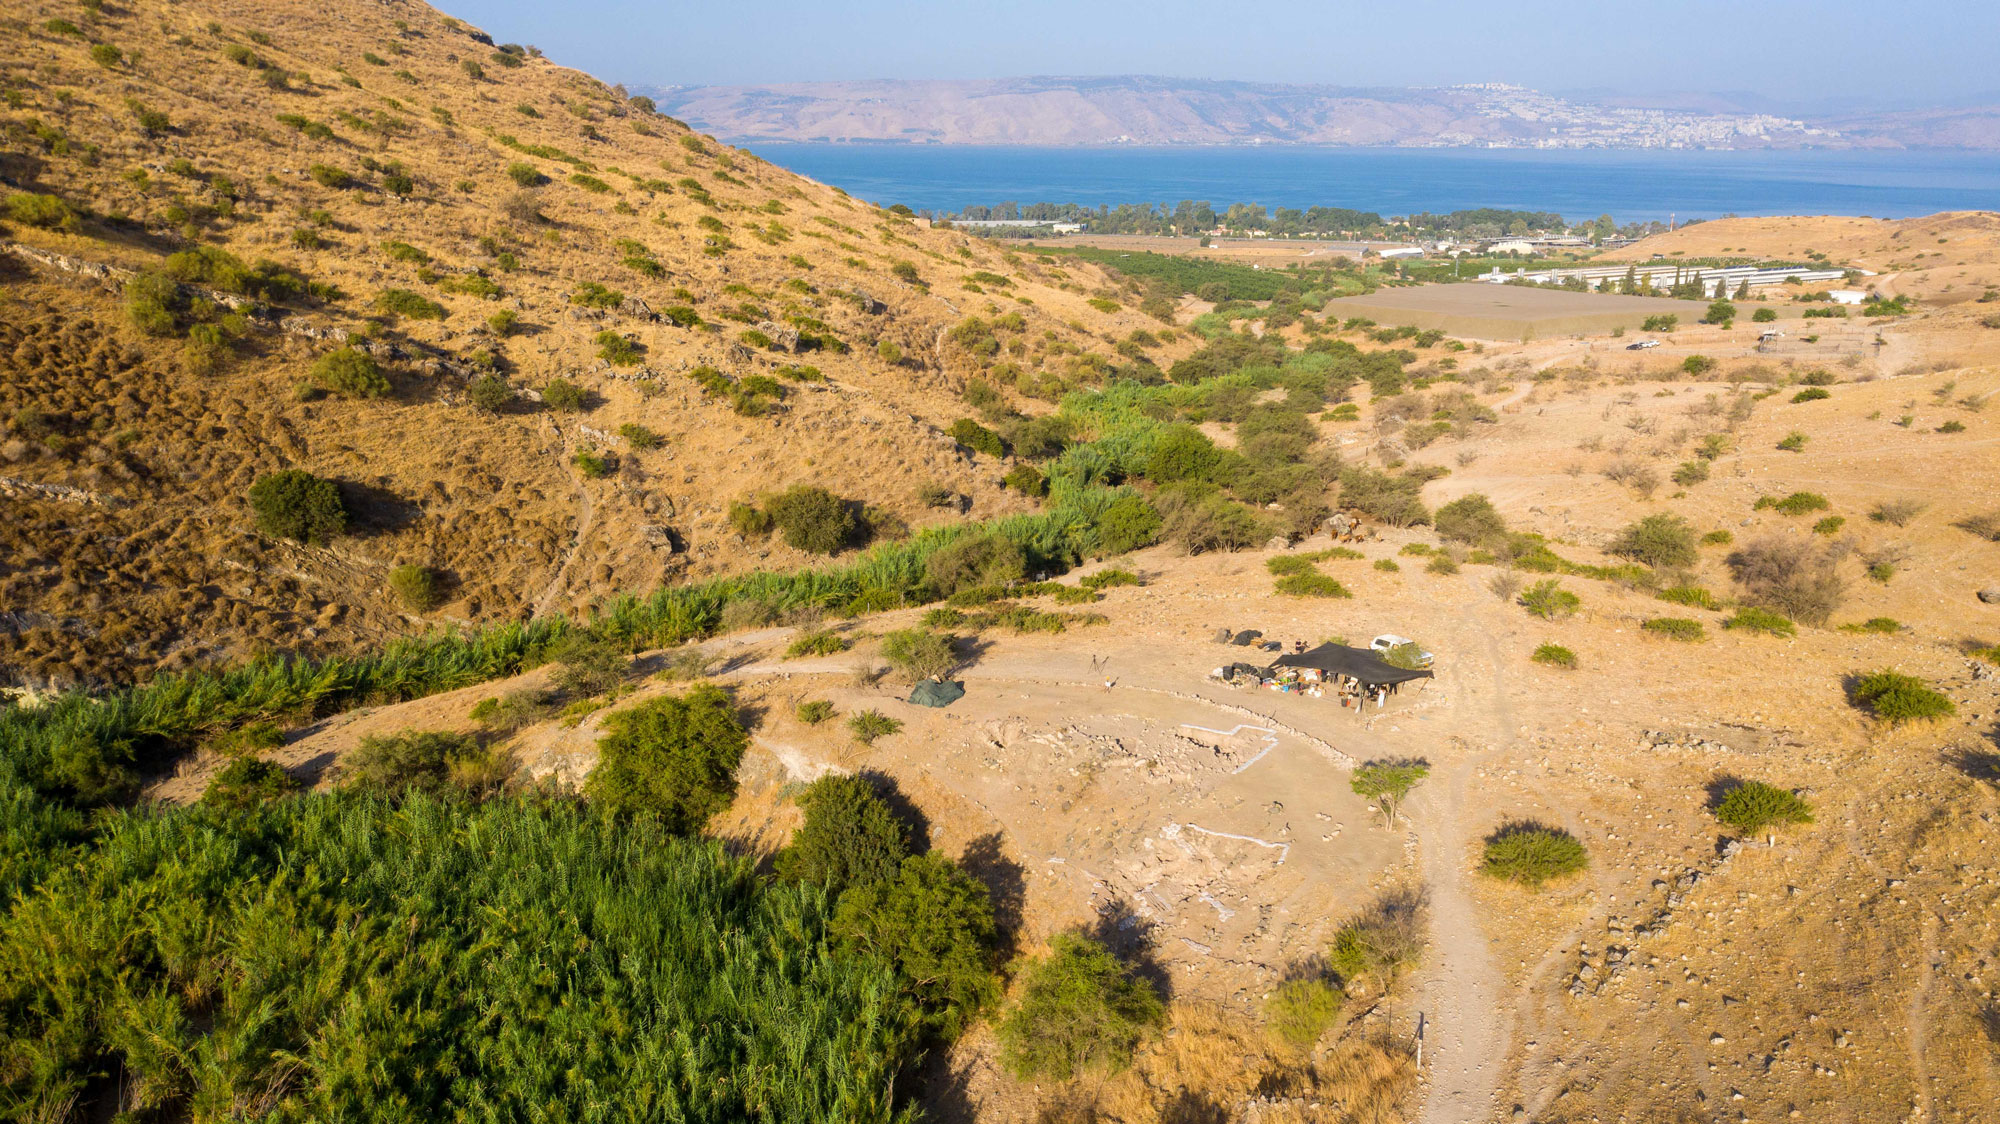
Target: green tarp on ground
(933,693)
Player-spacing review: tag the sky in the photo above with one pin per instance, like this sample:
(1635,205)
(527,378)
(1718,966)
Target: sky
(1863,54)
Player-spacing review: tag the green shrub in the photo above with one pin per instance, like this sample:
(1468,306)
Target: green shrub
(246,783)
(1127,524)
(1665,323)
(1811,394)
(1080,1010)
(154,303)
(934,924)
(564,395)
(1830,525)
(1658,540)
(1764,316)
(1675,628)
(590,294)
(1297,1012)
(869,725)
(1692,596)
(491,394)
(415,306)
(350,373)
(814,712)
(1794,442)
(1752,619)
(818,642)
(1717,538)
(1549,600)
(975,560)
(673,758)
(977,437)
(1555,655)
(326,175)
(1751,806)
(1533,854)
(640,437)
(615,349)
(812,519)
(420,587)
(1470,519)
(590,183)
(106,55)
(46,211)
(1880,626)
(849,838)
(1798,503)
(1387,565)
(295,504)
(594,465)
(1312,584)
(919,653)
(1691,473)
(1896,698)
(431,762)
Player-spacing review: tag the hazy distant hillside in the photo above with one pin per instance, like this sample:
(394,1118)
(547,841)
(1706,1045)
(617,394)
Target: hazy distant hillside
(1150,110)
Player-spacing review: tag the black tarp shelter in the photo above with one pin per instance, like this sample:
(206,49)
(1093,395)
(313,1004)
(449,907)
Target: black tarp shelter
(937,693)
(1360,664)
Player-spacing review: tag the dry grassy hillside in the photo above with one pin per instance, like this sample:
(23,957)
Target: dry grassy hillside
(383,175)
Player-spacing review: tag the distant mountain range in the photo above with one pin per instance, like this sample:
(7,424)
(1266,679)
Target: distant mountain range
(1149,110)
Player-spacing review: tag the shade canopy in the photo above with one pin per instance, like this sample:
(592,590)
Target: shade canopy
(1356,663)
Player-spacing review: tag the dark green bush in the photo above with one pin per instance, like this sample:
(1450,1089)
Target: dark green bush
(934,924)
(1312,584)
(415,306)
(1752,619)
(1555,655)
(871,724)
(326,175)
(814,712)
(491,394)
(673,758)
(977,437)
(295,504)
(248,782)
(975,560)
(350,373)
(850,837)
(564,395)
(154,303)
(818,642)
(1658,540)
(1549,600)
(1533,854)
(615,349)
(1811,394)
(432,762)
(1751,806)
(812,519)
(1675,628)
(1470,519)
(1897,698)
(1080,1010)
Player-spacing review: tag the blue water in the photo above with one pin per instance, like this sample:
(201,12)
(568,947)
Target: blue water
(1629,185)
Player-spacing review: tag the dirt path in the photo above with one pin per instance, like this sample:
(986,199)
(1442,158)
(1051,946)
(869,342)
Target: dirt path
(1469,1031)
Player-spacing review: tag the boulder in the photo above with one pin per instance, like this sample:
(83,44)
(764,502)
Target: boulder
(1990,596)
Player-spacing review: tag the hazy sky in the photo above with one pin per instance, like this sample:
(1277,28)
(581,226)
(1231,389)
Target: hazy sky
(1885,51)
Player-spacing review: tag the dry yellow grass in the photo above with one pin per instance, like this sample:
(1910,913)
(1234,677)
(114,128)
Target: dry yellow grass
(153,563)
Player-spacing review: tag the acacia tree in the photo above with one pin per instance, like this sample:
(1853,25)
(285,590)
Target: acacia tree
(1388,782)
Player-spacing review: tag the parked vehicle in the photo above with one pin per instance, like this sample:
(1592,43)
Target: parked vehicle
(1642,345)
(1388,640)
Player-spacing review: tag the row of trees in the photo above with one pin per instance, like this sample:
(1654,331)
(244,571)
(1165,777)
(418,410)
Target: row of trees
(1200,217)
